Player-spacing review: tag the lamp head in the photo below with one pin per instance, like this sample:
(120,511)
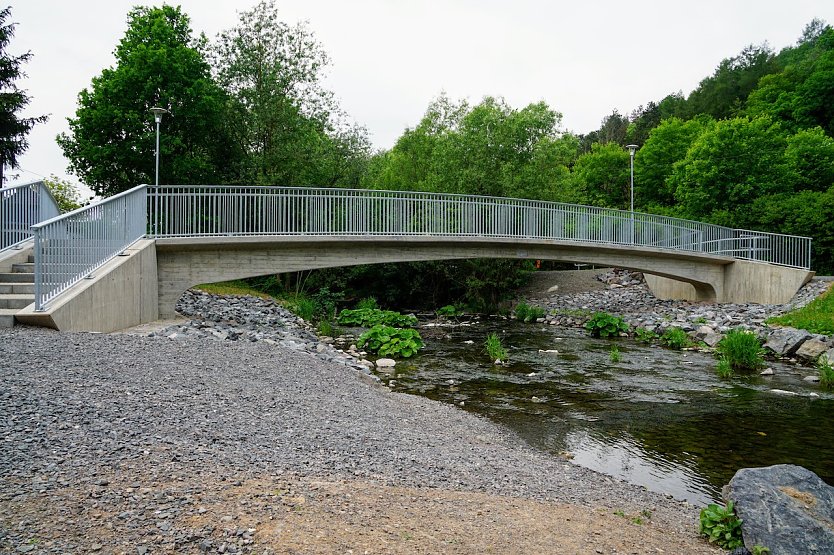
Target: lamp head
(631,149)
(157,113)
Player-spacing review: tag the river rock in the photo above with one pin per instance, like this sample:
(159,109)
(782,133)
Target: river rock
(812,349)
(786,508)
(786,341)
(713,339)
(385,363)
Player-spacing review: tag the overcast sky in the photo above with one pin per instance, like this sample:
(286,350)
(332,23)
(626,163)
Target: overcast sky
(390,58)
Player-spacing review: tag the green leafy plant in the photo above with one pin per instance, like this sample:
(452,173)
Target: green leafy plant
(700,320)
(603,325)
(389,341)
(367,303)
(614,355)
(759,550)
(675,338)
(448,310)
(373,316)
(494,348)
(324,303)
(742,350)
(721,526)
(644,335)
(528,313)
(826,373)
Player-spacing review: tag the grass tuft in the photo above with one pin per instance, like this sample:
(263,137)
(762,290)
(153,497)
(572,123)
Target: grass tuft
(742,350)
(494,348)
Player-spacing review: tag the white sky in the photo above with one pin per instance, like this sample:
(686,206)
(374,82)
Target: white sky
(390,58)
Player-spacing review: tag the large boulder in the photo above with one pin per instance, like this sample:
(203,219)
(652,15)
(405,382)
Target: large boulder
(786,341)
(786,508)
(812,349)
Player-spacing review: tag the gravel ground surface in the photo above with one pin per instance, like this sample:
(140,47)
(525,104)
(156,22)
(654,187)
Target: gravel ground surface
(131,444)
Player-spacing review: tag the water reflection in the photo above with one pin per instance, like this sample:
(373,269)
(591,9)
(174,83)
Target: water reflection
(657,417)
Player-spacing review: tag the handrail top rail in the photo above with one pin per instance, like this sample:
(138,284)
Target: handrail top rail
(85,208)
(544,203)
(21,185)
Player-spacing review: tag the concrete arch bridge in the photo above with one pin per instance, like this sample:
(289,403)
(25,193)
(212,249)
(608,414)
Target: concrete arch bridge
(128,259)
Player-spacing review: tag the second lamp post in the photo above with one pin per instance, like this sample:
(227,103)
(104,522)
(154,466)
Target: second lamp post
(631,150)
(157,116)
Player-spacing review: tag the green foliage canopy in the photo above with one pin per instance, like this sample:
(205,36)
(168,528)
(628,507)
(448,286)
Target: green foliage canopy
(290,126)
(111,143)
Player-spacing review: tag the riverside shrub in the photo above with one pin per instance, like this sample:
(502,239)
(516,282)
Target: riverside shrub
(373,316)
(387,341)
(604,325)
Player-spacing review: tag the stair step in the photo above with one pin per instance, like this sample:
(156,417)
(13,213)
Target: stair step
(16,301)
(17,288)
(17,277)
(24,268)
(31,259)
(7,317)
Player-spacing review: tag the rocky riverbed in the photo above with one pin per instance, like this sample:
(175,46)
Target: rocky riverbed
(240,431)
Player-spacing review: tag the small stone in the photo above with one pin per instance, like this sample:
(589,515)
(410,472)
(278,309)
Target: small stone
(767,372)
(811,378)
(385,363)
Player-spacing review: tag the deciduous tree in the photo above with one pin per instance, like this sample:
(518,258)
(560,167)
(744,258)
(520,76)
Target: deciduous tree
(111,143)
(291,127)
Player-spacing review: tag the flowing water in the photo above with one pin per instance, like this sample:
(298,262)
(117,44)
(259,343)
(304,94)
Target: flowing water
(658,417)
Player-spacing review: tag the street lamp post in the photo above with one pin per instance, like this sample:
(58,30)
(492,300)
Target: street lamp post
(631,150)
(157,116)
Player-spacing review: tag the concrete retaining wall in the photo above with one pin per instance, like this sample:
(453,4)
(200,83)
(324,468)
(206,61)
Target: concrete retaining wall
(744,282)
(122,293)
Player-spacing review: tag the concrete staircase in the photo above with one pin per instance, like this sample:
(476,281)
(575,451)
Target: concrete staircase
(17,285)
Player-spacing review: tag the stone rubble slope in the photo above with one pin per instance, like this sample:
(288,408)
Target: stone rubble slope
(629,296)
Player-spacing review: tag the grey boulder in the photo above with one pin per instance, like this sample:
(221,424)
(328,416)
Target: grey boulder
(786,508)
(786,341)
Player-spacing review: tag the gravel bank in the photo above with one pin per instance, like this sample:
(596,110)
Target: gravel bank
(80,410)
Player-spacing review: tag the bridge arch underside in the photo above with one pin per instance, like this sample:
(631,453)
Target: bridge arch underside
(185,262)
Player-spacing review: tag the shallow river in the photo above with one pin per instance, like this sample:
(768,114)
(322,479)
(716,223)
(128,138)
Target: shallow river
(659,418)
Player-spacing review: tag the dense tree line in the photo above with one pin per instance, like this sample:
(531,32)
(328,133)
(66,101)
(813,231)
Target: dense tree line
(741,150)
(245,109)
(750,147)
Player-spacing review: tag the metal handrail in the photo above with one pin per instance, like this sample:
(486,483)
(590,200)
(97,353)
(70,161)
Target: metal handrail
(21,207)
(70,247)
(214,210)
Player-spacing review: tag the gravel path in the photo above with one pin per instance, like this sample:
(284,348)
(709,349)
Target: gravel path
(79,411)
